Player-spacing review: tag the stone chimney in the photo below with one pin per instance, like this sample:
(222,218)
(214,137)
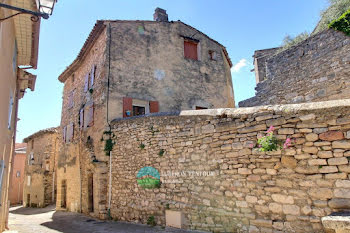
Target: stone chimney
(160,15)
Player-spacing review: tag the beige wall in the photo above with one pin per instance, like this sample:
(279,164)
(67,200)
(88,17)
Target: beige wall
(8,80)
(42,170)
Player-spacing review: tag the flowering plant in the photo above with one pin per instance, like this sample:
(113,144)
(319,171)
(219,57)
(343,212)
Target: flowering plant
(271,143)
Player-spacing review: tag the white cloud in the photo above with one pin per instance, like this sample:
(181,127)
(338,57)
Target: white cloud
(238,66)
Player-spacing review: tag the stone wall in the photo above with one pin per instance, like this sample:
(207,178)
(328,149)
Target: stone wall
(317,69)
(40,170)
(224,184)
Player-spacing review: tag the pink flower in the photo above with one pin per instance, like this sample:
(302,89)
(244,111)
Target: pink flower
(271,129)
(287,143)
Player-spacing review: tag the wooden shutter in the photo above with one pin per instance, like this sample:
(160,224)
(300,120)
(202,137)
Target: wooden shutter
(127,106)
(71,131)
(81,118)
(92,76)
(190,50)
(86,83)
(91,116)
(153,106)
(64,133)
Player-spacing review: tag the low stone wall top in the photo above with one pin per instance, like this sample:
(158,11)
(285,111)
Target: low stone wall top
(213,173)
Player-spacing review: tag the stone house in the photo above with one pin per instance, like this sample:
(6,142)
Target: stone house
(17,174)
(316,69)
(40,168)
(19,40)
(126,69)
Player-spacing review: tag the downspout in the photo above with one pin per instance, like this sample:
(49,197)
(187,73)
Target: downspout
(109,125)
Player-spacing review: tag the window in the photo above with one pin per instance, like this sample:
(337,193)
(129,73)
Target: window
(11,102)
(81,118)
(137,110)
(32,144)
(71,99)
(68,133)
(200,108)
(14,58)
(18,174)
(191,49)
(212,55)
(28,180)
(89,116)
(47,166)
(31,158)
(136,107)
(90,79)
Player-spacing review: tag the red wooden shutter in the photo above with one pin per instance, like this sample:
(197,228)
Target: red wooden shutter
(92,75)
(127,106)
(190,49)
(91,116)
(86,83)
(81,118)
(153,106)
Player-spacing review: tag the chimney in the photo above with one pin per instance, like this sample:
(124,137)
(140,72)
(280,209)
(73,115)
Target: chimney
(160,15)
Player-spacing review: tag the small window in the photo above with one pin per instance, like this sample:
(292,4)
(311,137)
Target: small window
(14,58)
(71,99)
(141,30)
(18,174)
(73,78)
(28,180)
(11,102)
(32,144)
(47,166)
(200,108)
(212,55)
(191,49)
(138,110)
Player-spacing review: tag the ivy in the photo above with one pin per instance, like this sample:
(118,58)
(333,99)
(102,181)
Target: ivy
(342,23)
(109,143)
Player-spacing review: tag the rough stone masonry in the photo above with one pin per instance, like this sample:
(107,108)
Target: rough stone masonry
(280,191)
(317,69)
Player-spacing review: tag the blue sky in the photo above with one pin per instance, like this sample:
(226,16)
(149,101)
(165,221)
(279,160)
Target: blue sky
(242,26)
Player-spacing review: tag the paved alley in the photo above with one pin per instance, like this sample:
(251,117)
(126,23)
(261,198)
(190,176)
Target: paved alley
(47,220)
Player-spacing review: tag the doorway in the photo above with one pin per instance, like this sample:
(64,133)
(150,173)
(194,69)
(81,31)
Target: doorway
(64,194)
(91,193)
(28,200)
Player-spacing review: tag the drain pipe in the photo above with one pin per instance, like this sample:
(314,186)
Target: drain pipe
(110,153)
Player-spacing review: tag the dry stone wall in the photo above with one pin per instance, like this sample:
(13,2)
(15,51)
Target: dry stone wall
(212,172)
(318,69)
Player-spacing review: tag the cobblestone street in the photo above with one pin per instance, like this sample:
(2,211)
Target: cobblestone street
(47,220)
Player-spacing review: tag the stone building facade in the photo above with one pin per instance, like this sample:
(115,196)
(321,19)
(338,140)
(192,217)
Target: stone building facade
(40,180)
(125,69)
(17,176)
(317,69)
(213,173)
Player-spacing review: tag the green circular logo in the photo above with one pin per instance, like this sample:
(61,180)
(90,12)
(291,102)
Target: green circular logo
(148,178)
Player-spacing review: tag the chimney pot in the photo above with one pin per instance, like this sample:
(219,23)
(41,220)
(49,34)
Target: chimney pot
(160,15)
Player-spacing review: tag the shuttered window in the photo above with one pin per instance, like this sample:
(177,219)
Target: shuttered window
(70,132)
(127,107)
(153,106)
(92,76)
(91,116)
(191,49)
(71,99)
(81,118)
(64,133)
(86,83)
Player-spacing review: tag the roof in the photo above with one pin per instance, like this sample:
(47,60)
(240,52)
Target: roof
(20,148)
(40,133)
(97,30)
(27,34)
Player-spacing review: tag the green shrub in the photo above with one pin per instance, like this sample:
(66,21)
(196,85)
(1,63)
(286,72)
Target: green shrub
(290,41)
(151,221)
(334,11)
(342,23)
